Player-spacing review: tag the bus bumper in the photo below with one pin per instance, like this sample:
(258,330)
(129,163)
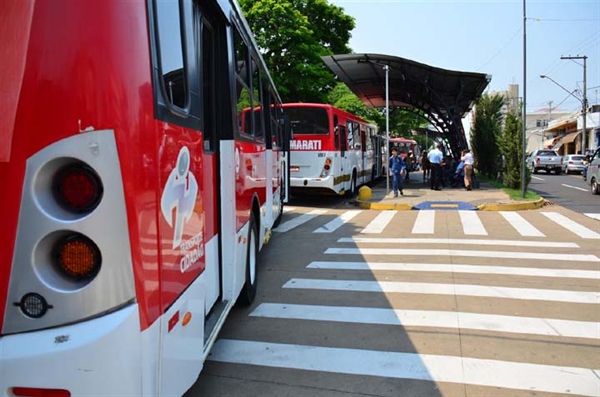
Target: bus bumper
(323,183)
(96,357)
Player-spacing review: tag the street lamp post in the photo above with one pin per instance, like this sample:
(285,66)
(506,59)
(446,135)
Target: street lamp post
(387,124)
(583,101)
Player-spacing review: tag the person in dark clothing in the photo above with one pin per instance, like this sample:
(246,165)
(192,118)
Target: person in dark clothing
(397,171)
(435,159)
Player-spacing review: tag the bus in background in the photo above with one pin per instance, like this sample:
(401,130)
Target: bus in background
(406,145)
(332,151)
(134,205)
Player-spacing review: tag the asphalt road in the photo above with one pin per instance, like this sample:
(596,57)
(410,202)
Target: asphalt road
(569,191)
(364,303)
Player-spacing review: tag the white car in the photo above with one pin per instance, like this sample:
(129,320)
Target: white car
(573,163)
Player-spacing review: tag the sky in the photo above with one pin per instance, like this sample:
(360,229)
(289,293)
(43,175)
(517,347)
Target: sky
(486,36)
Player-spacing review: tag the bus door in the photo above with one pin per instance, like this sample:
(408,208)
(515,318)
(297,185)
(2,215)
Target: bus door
(363,154)
(343,147)
(189,268)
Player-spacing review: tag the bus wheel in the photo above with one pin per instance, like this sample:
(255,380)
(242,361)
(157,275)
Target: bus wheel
(249,291)
(353,189)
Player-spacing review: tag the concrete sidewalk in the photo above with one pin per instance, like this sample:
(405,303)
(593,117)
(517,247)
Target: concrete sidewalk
(418,195)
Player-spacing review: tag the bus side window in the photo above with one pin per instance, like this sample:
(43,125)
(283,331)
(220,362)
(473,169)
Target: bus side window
(244,99)
(350,135)
(257,101)
(209,97)
(170,54)
(363,140)
(343,139)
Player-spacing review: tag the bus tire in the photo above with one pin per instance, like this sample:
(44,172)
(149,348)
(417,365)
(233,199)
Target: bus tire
(249,290)
(353,188)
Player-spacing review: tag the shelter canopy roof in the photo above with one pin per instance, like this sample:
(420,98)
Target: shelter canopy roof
(445,96)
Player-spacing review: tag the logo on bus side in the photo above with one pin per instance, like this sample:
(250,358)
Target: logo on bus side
(305,144)
(179,194)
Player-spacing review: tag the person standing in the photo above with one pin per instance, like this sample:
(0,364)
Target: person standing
(425,166)
(397,170)
(435,159)
(467,158)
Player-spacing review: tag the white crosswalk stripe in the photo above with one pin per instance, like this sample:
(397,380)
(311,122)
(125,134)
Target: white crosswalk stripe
(551,295)
(572,226)
(524,294)
(432,318)
(379,224)
(425,222)
(458,241)
(465,253)
(471,223)
(593,216)
(337,222)
(521,225)
(475,371)
(294,222)
(457,268)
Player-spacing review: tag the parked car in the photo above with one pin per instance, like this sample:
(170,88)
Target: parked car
(546,159)
(593,173)
(573,163)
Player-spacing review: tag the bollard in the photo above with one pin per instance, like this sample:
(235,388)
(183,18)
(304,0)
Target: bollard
(364,193)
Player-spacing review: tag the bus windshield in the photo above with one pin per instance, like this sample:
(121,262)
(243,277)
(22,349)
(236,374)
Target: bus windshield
(308,121)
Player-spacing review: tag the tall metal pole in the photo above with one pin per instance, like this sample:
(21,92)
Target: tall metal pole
(387,125)
(523,117)
(584,139)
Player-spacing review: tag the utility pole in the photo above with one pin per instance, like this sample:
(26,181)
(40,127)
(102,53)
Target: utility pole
(523,114)
(584,102)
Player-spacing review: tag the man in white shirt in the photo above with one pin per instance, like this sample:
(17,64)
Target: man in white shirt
(435,159)
(467,159)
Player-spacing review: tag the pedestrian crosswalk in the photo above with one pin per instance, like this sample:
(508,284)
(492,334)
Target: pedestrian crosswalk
(453,302)
(424,222)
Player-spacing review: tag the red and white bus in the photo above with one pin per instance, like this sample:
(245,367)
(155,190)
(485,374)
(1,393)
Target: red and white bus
(405,145)
(133,203)
(332,151)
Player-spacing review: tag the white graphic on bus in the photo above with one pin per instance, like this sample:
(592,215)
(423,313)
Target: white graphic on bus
(180,194)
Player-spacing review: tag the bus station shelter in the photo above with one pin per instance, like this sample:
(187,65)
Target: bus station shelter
(444,96)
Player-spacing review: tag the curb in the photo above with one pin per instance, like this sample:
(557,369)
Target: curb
(381,206)
(518,206)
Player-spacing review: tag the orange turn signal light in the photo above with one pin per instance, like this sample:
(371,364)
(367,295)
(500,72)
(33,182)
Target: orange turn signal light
(77,256)
(186,319)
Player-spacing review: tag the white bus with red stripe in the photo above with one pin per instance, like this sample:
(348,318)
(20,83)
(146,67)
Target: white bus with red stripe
(133,203)
(332,151)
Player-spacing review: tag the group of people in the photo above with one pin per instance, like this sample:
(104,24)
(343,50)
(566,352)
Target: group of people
(433,165)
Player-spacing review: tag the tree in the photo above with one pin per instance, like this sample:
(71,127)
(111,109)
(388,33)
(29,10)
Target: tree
(512,151)
(293,35)
(485,135)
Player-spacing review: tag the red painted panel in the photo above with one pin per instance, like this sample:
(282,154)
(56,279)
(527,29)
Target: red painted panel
(88,65)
